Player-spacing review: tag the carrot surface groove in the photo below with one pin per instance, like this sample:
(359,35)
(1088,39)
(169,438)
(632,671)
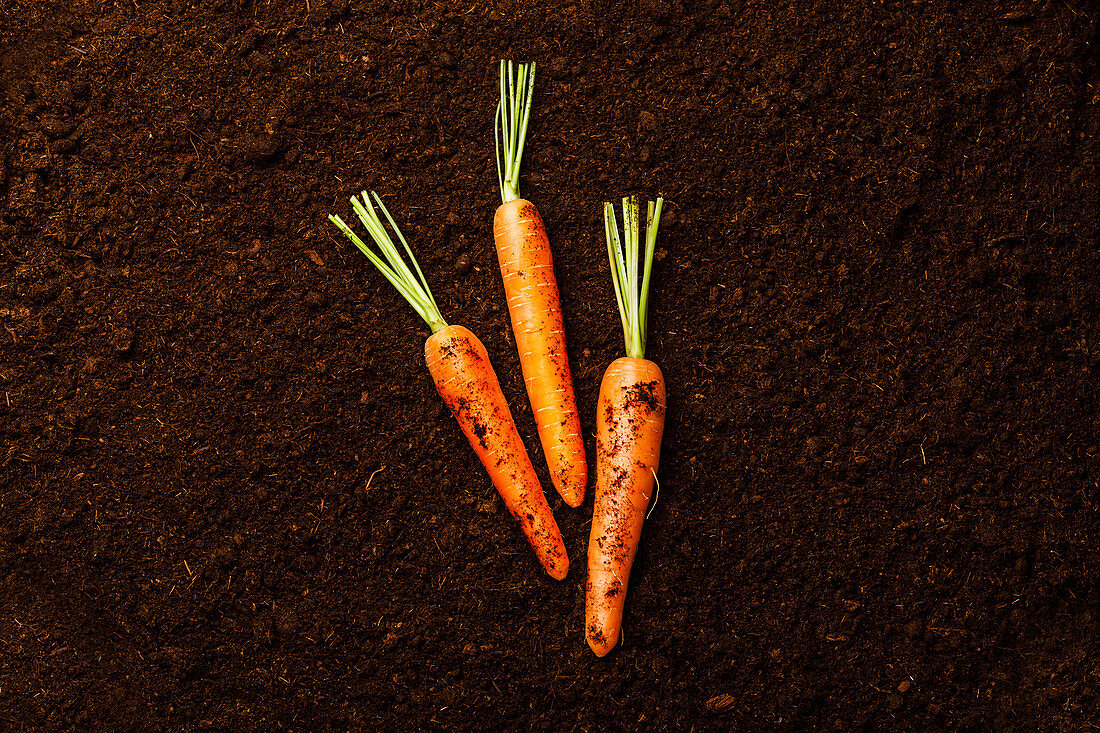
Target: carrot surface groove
(527,268)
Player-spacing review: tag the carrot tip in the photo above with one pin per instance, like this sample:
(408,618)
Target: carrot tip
(601,647)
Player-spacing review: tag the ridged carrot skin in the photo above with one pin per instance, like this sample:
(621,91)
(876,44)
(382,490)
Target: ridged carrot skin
(468,385)
(523,252)
(630,423)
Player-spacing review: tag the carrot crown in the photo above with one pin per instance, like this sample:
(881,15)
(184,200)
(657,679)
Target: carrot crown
(633,301)
(517,85)
(414,289)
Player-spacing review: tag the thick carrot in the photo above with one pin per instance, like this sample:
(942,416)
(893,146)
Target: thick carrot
(628,447)
(630,421)
(523,251)
(466,381)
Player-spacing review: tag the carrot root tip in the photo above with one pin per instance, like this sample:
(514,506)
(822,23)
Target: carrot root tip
(600,646)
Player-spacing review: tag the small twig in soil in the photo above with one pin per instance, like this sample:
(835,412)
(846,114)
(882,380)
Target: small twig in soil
(371,478)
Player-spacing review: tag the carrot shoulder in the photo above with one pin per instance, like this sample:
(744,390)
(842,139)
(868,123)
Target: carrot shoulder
(466,381)
(630,424)
(523,251)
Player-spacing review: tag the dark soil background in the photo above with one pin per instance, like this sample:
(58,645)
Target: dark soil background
(230,497)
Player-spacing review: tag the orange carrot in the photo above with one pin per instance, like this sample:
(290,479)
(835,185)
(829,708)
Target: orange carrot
(465,379)
(467,383)
(630,422)
(523,251)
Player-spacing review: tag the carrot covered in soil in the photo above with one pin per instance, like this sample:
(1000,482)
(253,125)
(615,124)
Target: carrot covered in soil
(630,421)
(467,383)
(523,251)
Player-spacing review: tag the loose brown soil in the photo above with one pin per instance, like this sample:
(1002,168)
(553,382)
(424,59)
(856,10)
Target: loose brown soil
(230,497)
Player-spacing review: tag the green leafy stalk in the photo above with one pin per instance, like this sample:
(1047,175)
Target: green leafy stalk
(633,301)
(517,86)
(414,289)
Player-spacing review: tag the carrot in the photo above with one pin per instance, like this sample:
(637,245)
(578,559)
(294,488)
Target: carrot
(468,385)
(523,251)
(630,421)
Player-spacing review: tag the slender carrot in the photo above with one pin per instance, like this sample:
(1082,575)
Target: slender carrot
(523,251)
(630,421)
(466,381)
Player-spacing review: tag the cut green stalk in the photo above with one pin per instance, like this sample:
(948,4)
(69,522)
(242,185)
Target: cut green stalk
(633,301)
(517,86)
(414,289)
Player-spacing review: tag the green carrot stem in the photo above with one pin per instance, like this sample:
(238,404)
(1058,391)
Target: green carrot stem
(413,288)
(517,86)
(623,255)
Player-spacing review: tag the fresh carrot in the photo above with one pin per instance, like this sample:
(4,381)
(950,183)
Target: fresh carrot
(467,383)
(630,421)
(523,251)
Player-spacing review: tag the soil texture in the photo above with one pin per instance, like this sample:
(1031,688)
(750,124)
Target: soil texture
(231,498)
